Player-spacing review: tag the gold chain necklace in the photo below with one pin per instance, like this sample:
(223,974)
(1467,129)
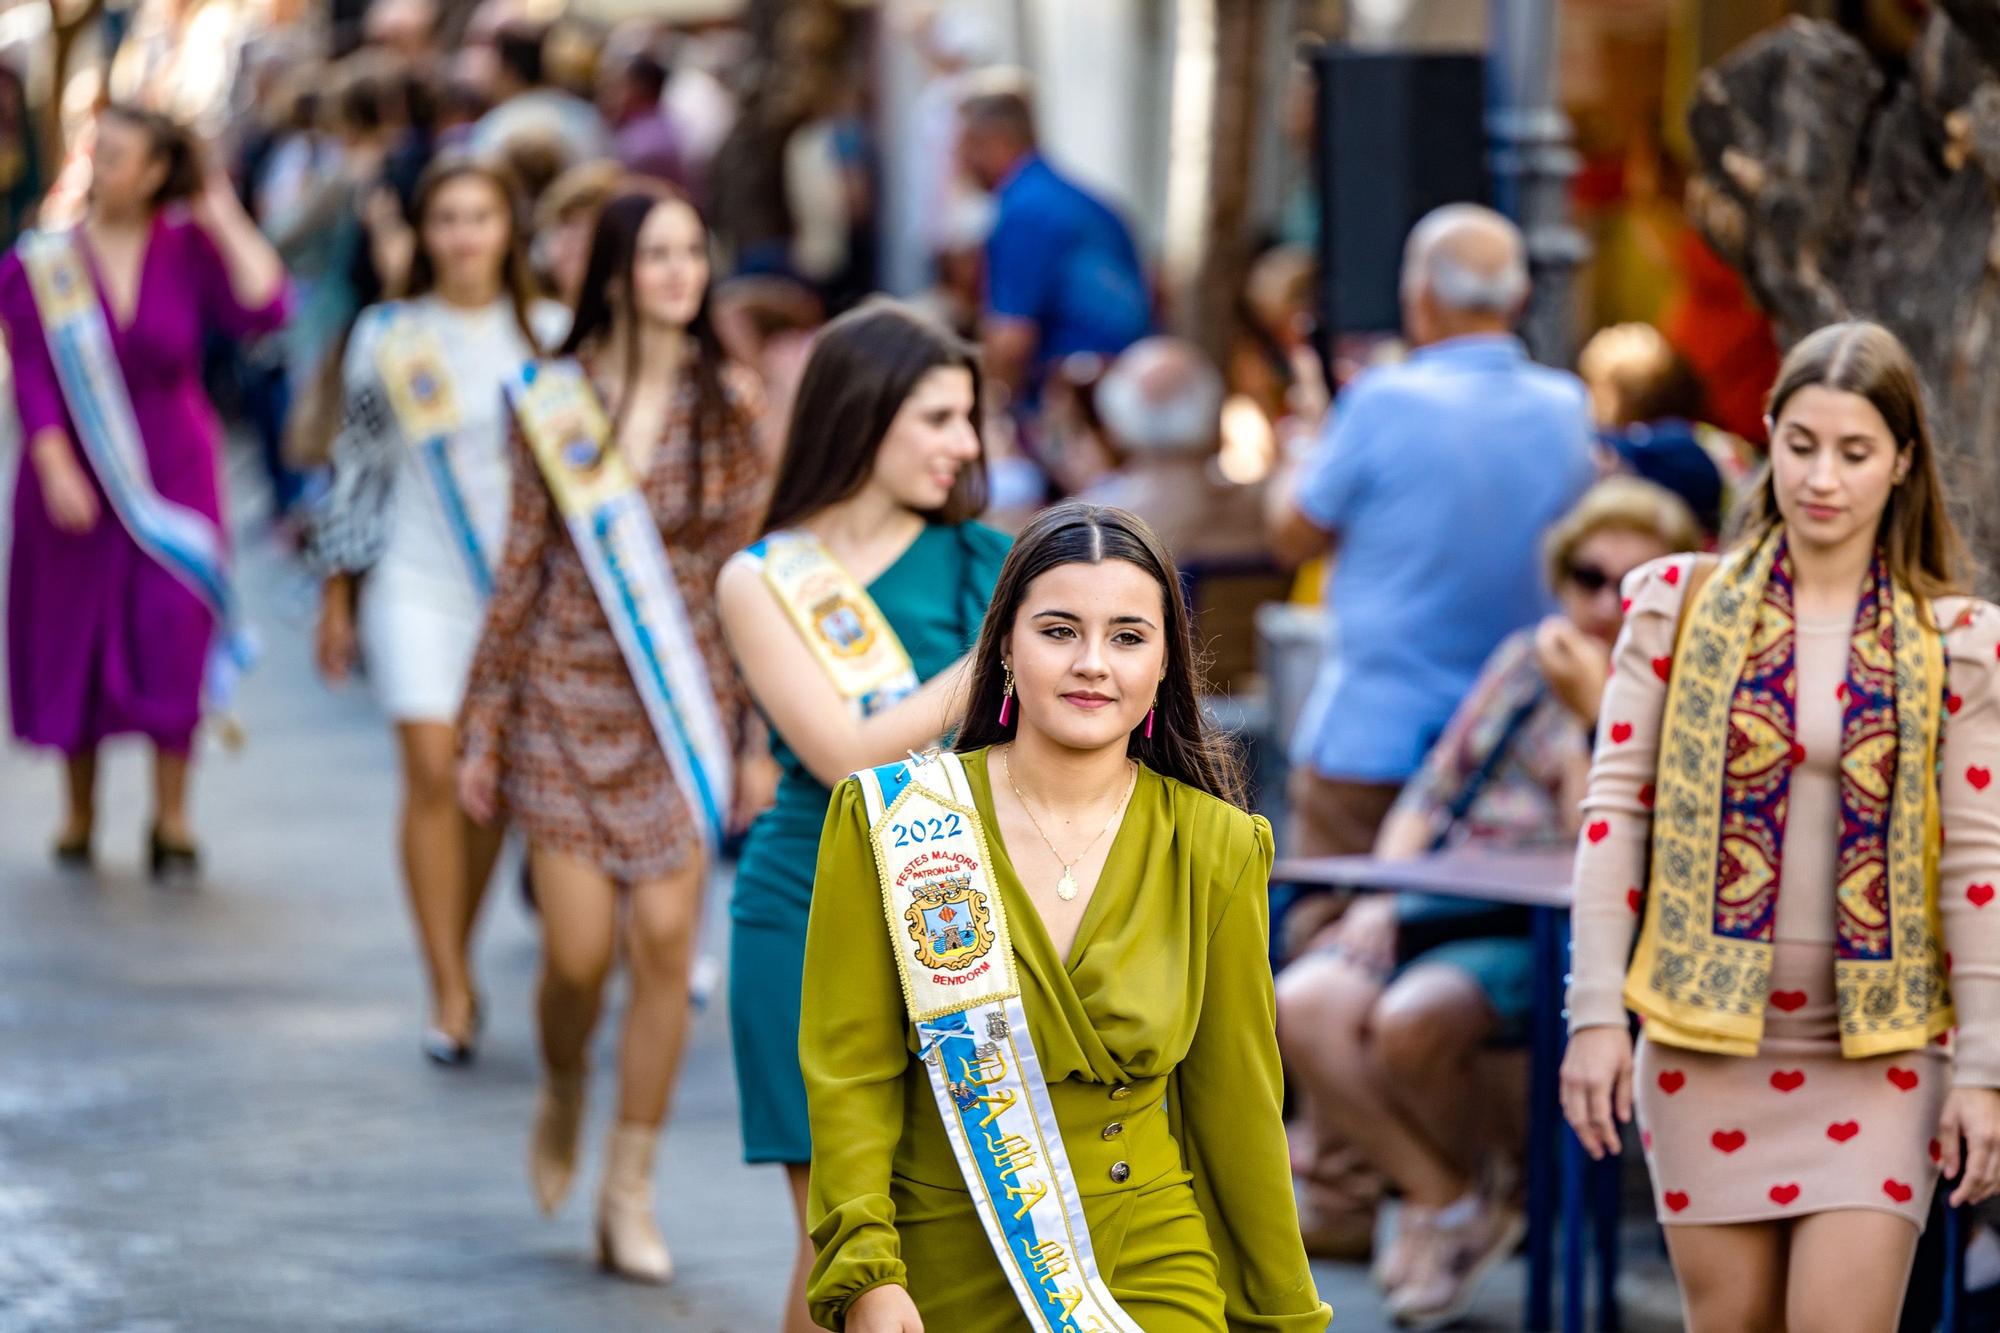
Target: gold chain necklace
(1066,886)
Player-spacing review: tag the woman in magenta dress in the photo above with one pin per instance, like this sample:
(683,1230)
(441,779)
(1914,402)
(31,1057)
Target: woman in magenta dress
(101,640)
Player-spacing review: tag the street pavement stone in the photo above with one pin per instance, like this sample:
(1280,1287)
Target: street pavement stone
(213,1113)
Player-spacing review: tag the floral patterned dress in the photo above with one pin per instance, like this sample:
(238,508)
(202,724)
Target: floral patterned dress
(550,696)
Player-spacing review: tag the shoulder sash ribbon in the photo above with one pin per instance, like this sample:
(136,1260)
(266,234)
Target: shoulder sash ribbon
(182,540)
(608,519)
(948,930)
(417,380)
(844,630)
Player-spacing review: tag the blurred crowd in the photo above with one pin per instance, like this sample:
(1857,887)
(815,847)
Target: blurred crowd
(1465,514)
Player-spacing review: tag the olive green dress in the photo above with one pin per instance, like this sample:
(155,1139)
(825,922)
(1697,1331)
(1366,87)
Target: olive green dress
(1159,1046)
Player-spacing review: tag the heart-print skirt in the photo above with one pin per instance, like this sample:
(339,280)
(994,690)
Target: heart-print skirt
(1796,1128)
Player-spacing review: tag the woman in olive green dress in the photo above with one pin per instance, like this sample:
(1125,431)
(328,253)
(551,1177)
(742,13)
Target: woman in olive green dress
(1135,888)
(882,474)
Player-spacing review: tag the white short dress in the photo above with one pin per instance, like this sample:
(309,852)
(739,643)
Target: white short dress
(420,610)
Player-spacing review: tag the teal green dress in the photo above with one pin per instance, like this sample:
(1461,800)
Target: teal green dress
(934,596)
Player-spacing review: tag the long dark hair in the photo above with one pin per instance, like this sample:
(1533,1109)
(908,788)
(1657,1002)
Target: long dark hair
(608,289)
(515,275)
(1184,745)
(168,140)
(863,368)
(1922,547)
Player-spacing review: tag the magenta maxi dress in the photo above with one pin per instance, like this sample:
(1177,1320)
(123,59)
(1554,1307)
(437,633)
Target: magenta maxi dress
(101,641)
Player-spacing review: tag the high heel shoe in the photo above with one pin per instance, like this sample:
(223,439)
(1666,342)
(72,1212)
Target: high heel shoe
(552,1142)
(443,1048)
(72,853)
(171,862)
(628,1234)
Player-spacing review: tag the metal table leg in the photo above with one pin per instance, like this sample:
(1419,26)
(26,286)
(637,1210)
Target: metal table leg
(1544,1116)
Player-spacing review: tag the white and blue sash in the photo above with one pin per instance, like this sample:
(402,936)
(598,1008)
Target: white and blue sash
(843,629)
(184,541)
(417,379)
(608,519)
(948,930)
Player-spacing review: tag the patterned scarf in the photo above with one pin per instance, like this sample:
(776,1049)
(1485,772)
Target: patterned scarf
(1702,969)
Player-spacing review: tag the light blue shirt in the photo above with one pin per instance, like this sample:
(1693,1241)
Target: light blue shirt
(1437,480)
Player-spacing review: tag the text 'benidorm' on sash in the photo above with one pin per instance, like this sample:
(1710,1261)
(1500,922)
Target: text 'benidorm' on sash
(948,930)
(844,630)
(415,375)
(184,541)
(612,526)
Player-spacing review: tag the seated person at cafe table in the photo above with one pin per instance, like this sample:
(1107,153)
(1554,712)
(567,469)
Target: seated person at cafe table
(1383,1020)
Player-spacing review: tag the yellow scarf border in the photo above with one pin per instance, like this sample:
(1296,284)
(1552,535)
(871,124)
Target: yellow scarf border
(1703,992)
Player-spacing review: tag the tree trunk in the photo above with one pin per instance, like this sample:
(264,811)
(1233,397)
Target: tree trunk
(1212,314)
(1843,193)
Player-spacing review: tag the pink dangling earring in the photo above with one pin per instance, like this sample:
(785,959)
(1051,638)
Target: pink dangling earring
(1006,694)
(1149,723)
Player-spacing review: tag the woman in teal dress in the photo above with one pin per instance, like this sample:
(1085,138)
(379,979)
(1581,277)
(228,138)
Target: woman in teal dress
(883,472)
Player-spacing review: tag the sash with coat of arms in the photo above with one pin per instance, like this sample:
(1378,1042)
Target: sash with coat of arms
(844,630)
(948,931)
(417,379)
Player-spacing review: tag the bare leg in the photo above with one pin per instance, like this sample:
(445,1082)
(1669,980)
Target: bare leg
(439,868)
(170,786)
(1429,1029)
(1325,1027)
(80,795)
(796,1318)
(1847,1271)
(1732,1278)
(579,913)
(659,948)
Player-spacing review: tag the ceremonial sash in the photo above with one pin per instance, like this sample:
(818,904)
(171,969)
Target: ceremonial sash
(184,541)
(411,362)
(844,630)
(608,519)
(948,930)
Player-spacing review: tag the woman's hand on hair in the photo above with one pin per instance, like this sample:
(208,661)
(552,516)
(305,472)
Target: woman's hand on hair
(1969,1132)
(215,205)
(1575,666)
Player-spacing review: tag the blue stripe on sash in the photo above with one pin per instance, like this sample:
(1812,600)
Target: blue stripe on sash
(435,452)
(891,779)
(601,528)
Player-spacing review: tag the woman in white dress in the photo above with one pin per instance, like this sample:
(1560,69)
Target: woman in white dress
(415,519)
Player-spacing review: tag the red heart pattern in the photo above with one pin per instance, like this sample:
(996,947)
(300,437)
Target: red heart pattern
(1784,1195)
(1646,1139)
(1898,1191)
(1598,831)
(1798,754)
(1621,732)
(1646,796)
(1672,1081)
(1979,894)
(1787,1001)
(1672,575)
(1676,1200)
(1952,703)
(1937,1151)
(1632,899)
(1978,776)
(1788,1080)
(1903,1078)
(1728,1140)
(1840,691)
(1844,1130)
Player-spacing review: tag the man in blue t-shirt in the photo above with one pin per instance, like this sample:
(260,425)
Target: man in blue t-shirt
(1431,492)
(1062,273)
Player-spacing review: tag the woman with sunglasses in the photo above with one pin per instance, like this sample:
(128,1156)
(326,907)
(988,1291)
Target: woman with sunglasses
(1384,1021)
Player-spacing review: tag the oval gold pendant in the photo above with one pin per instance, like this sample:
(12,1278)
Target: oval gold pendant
(1066,887)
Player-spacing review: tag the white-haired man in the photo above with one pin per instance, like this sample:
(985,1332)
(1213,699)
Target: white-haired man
(1431,493)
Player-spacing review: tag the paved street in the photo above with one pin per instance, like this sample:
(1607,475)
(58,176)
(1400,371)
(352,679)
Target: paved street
(213,1114)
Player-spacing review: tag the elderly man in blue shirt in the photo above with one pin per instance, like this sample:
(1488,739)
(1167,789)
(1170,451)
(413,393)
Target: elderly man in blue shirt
(1430,492)
(1062,272)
